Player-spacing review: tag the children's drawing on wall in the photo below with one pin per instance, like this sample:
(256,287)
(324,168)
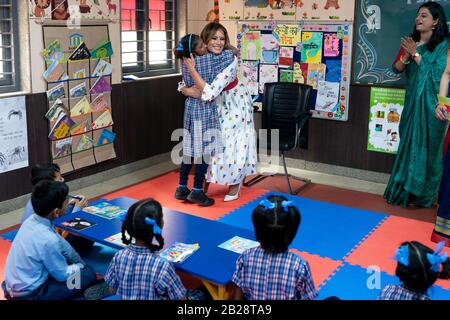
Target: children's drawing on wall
(267,73)
(213,15)
(271,9)
(249,71)
(13,134)
(251,46)
(288,35)
(60,10)
(286,57)
(312,47)
(331,45)
(327,10)
(71,9)
(327,96)
(332,4)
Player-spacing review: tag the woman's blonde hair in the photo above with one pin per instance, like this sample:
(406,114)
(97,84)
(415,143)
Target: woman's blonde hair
(210,30)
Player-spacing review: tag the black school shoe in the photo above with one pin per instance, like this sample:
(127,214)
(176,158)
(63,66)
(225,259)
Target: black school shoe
(200,198)
(182,193)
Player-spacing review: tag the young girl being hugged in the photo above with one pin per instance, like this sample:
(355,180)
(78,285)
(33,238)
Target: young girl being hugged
(201,125)
(137,272)
(418,268)
(270,271)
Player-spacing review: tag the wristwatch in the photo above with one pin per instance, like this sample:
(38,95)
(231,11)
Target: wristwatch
(416,55)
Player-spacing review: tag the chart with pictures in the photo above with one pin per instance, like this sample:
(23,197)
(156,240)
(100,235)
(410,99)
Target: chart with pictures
(314,53)
(78,74)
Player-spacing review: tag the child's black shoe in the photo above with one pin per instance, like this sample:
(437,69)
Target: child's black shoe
(181,193)
(200,198)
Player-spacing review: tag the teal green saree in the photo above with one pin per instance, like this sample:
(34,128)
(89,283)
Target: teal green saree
(417,169)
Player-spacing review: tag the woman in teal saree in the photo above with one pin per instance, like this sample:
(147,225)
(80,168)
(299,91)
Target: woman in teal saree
(417,169)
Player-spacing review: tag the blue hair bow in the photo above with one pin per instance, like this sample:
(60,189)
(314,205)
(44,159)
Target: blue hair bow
(402,255)
(435,258)
(286,205)
(152,222)
(180,47)
(268,205)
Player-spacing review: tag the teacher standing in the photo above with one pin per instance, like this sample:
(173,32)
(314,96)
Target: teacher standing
(417,169)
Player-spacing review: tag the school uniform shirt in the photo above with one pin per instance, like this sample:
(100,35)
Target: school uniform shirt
(139,274)
(273,276)
(201,121)
(399,292)
(30,211)
(37,253)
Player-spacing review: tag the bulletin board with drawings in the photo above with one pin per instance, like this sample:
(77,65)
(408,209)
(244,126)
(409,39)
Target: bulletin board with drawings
(78,74)
(315,53)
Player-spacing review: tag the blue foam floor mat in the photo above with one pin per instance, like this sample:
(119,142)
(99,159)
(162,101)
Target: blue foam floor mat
(326,229)
(99,257)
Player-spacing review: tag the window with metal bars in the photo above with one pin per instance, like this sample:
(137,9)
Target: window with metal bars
(9,47)
(148,34)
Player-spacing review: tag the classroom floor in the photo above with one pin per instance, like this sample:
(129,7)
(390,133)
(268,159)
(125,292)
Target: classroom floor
(343,231)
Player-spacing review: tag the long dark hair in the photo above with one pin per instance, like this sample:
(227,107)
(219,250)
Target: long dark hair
(418,275)
(440,32)
(210,30)
(137,228)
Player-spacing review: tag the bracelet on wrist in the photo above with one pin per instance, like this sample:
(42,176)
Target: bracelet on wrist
(404,61)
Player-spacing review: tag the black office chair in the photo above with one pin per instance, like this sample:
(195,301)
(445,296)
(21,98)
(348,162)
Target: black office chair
(286,108)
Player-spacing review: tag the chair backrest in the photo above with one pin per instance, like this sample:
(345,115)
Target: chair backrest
(284,106)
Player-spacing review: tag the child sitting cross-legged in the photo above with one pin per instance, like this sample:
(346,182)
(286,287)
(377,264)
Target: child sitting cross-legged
(270,271)
(138,272)
(41,265)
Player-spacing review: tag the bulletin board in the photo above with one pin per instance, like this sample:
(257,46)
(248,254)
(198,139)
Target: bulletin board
(315,53)
(78,74)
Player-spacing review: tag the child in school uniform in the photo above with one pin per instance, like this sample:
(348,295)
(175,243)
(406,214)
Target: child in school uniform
(418,268)
(51,171)
(41,265)
(270,271)
(201,121)
(137,272)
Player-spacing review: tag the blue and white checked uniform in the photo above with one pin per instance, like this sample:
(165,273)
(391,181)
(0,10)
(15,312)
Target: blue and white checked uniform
(399,292)
(201,120)
(273,276)
(139,274)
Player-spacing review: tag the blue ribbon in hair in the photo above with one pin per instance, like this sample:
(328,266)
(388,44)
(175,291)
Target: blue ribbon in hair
(180,47)
(402,255)
(268,205)
(435,258)
(152,222)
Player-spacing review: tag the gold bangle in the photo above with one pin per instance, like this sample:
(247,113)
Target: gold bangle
(404,61)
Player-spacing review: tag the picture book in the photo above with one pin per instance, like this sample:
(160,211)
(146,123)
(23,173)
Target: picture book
(56,110)
(80,128)
(178,252)
(104,120)
(62,148)
(100,102)
(106,210)
(82,107)
(80,53)
(55,72)
(61,128)
(102,50)
(56,92)
(79,90)
(53,52)
(102,68)
(105,137)
(238,244)
(117,239)
(78,224)
(100,86)
(85,143)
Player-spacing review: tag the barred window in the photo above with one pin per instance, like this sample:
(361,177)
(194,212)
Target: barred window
(148,35)
(9,47)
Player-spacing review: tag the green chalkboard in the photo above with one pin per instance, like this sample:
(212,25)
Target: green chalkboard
(379,26)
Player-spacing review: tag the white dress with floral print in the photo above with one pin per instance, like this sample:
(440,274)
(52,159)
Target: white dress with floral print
(238,157)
